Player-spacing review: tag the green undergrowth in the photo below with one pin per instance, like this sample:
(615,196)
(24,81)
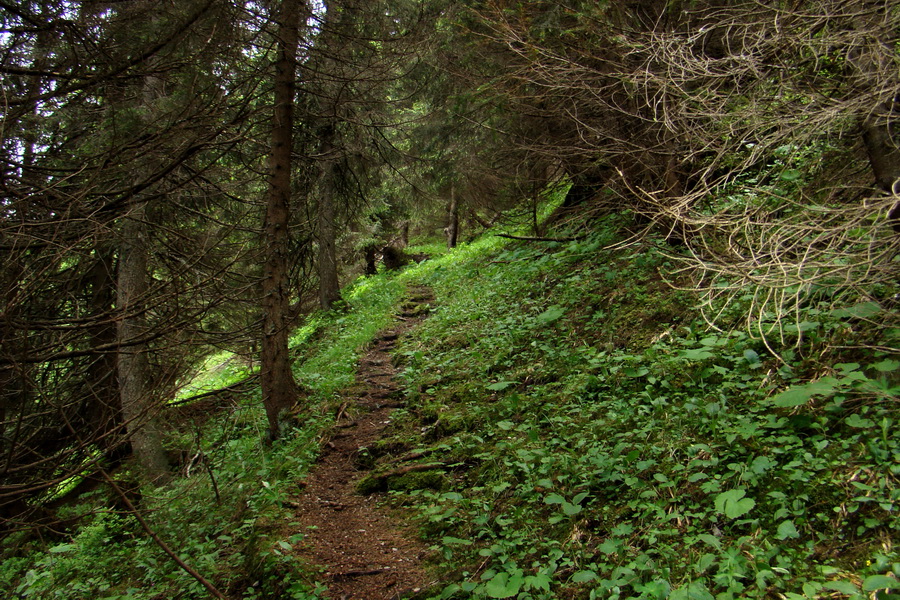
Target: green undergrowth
(592,438)
(339,336)
(225,514)
(328,339)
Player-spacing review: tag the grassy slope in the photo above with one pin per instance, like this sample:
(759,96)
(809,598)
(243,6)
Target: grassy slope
(237,533)
(601,442)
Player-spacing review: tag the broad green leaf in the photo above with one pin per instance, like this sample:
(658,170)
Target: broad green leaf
(550,315)
(787,531)
(752,358)
(693,591)
(654,590)
(803,326)
(887,365)
(570,509)
(864,310)
(733,504)
(800,394)
(858,422)
(880,582)
(844,587)
(579,498)
(502,585)
(811,588)
(506,425)
(761,464)
(609,546)
(553,499)
(697,354)
(705,562)
(455,541)
(541,581)
(584,576)
(500,385)
(505,485)
(622,529)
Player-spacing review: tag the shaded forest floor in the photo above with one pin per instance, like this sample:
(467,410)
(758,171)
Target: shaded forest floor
(361,547)
(563,425)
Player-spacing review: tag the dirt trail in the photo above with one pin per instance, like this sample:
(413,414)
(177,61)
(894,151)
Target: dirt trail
(364,552)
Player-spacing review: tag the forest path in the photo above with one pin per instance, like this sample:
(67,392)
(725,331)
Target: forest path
(364,551)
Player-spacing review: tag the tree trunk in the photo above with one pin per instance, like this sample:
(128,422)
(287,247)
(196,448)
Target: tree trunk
(880,134)
(453,225)
(329,287)
(132,284)
(137,404)
(14,386)
(881,140)
(279,389)
(103,403)
(369,255)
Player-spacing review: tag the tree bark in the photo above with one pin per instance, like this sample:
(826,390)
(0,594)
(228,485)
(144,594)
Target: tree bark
(880,134)
(453,225)
(329,287)
(132,285)
(881,140)
(279,389)
(104,408)
(137,405)
(369,253)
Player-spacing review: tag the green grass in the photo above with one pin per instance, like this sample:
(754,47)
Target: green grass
(218,371)
(333,366)
(597,440)
(229,521)
(601,442)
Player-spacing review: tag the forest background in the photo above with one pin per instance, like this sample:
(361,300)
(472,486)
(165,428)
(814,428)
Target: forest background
(188,185)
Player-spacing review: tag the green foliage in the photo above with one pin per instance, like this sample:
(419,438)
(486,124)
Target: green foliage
(605,444)
(216,372)
(339,335)
(231,533)
(230,522)
(596,440)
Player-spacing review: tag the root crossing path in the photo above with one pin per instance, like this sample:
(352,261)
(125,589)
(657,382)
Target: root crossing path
(364,551)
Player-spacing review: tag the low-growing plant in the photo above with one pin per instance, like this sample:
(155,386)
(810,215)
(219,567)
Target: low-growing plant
(611,455)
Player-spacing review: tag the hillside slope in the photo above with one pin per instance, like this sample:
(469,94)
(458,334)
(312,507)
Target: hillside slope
(599,440)
(571,428)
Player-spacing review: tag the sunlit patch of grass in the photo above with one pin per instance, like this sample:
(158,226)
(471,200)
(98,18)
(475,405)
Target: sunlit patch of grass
(218,371)
(431,249)
(329,364)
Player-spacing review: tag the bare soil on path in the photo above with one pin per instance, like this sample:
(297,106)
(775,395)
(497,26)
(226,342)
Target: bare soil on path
(363,549)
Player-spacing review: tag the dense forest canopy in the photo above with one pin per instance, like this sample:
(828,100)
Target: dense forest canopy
(183,178)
